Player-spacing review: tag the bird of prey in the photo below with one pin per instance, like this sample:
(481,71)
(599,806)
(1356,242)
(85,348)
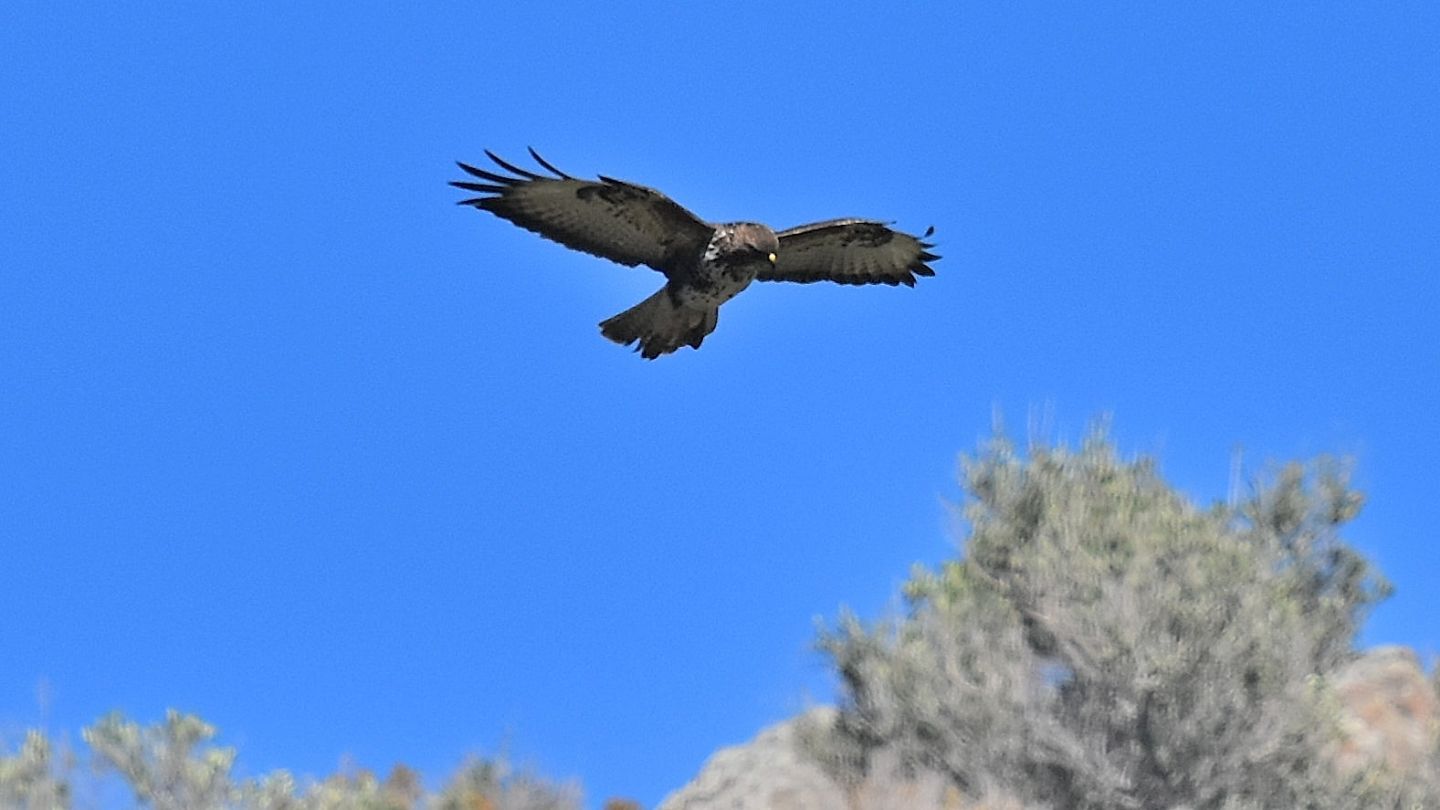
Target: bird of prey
(705,264)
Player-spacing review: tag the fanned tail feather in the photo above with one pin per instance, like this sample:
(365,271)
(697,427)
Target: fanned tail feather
(660,325)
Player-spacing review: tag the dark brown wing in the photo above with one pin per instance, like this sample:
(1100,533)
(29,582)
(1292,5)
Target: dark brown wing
(608,218)
(850,251)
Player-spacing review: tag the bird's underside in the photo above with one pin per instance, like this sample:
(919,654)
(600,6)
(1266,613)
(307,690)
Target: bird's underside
(705,264)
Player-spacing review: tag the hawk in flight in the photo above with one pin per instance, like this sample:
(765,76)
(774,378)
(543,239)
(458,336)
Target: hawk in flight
(705,264)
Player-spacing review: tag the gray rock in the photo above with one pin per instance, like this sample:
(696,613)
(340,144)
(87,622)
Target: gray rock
(771,772)
(1389,715)
(1389,712)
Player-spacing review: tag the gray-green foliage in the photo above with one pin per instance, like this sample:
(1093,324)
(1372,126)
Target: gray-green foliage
(29,780)
(173,765)
(169,766)
(1104,643)
(506,789)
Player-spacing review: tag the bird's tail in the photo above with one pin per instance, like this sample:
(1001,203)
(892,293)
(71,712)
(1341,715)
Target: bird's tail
(661,325)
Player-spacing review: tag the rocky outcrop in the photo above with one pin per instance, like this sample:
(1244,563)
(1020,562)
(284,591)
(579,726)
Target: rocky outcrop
(768,773)
(1390,715)
(773,772)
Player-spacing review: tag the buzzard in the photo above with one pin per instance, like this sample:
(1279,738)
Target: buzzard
(705,264)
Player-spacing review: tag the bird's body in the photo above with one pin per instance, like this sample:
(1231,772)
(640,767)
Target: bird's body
(704,264)
(736,253)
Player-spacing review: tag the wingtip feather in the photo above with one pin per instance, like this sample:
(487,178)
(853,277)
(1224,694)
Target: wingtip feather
(548,166)
(512,168)
(489,176)
(480,187)
(467,168)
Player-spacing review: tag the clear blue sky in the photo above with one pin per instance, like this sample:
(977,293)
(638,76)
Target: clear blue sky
(289,440)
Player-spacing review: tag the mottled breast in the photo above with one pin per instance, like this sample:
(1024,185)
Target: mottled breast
(736,253)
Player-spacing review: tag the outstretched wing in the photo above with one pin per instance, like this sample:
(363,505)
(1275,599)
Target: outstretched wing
(608,218)
(850,251)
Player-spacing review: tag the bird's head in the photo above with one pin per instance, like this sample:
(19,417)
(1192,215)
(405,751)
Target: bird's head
(752,242)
